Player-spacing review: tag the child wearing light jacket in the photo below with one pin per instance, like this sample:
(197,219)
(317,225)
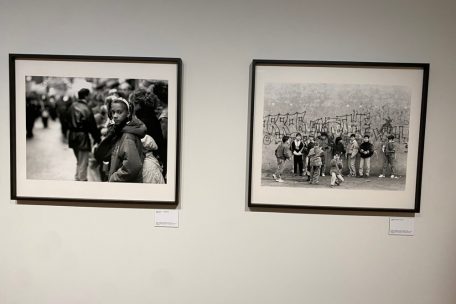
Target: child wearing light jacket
(335,170)
(351,154)
(315,163)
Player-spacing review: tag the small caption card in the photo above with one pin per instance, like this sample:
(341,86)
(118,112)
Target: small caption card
(167,218)
(402,226)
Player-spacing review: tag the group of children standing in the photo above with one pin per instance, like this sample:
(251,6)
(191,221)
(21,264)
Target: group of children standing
(310,157)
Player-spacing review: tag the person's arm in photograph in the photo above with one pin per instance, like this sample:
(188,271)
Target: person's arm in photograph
(340,165)
(311,153)
(293,148)
(93,129)
(393,149)
(131,163)
(287,152)
(355,149)
(302,148)
(371,150)
(164,127)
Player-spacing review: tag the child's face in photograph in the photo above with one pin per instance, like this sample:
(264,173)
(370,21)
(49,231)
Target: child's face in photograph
(298,138)
(366,139)
(119,112)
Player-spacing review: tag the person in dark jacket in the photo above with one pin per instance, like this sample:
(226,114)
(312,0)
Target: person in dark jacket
(389,149)
(32,112)
(62,105)
(122,145)
(310,144)
(366,150)
(282,153)
(297,147)
(339,147)
(145,104)
(81,123)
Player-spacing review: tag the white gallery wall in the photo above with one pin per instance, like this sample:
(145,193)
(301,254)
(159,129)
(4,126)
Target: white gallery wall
(223,252)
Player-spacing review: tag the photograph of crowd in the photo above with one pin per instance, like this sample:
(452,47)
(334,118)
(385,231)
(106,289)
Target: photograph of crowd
(96,129)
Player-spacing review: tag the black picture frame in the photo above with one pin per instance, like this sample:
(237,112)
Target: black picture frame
(40,190)
(285,91)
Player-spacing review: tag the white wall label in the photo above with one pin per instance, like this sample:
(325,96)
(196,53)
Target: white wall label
(401,226)
(167,218)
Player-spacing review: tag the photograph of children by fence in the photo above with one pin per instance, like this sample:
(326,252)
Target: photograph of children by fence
(96,129)
(341,136)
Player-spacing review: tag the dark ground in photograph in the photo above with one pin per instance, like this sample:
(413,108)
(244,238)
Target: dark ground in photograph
(351,183)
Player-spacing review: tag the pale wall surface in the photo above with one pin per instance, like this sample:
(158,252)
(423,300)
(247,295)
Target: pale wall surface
(224,253)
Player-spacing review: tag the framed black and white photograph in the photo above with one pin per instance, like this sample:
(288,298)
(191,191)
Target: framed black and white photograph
(337,135)
(95,128)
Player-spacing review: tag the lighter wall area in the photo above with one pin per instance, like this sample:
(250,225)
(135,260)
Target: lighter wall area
(224,253)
